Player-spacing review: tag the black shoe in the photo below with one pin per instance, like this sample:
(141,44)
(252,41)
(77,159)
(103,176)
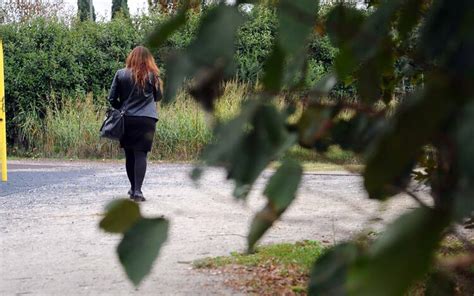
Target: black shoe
(138,196)
(130,193)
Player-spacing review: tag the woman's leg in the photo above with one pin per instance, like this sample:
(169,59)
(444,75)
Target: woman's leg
(130,167)
(140,170)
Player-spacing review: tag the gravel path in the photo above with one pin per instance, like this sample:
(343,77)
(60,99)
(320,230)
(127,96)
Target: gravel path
(50,243)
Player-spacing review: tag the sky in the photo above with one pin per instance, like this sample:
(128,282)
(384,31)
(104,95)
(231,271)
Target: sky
(103,7)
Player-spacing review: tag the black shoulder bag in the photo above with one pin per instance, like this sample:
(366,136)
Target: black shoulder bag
(114,124)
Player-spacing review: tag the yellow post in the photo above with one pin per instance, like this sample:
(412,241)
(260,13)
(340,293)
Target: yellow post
(3,119)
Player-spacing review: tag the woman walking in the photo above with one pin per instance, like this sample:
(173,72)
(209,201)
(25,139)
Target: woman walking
(135,90)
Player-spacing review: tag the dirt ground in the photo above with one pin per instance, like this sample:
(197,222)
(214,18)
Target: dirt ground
(50,243)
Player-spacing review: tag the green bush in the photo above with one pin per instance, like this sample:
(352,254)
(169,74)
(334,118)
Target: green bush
(254,43)
(45,57)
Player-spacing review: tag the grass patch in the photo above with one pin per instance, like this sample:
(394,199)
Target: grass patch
(279,269)
(300,254)
(283,269)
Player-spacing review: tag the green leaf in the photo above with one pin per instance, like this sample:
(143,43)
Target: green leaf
(356,134)
(368,41)
(447,27)
(282,186)
(324,85)
(343,23)
(389,164)
(440,284)
(211,52)
(410,14)
(265,142)
(248,143)
(140,246)
(207,86)
(262,221)
(345,63)
(161,33)
(229,134)
(280,191)
(401,256)
(121,215)
(370,75)
(313,124)
(274,66)
(296,19)
(464,197)
(330,271)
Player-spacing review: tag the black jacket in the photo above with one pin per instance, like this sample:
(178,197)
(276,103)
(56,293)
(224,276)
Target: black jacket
(136,101)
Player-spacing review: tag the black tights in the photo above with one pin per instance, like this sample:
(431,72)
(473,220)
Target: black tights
(135,163)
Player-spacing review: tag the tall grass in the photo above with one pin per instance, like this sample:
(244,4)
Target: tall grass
(71,129)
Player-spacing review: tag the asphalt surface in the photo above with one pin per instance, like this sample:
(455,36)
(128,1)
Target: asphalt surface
(50,243)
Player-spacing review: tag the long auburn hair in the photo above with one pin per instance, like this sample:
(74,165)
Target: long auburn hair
(141,62)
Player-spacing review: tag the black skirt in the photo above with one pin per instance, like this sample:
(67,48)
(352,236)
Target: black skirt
(139,133)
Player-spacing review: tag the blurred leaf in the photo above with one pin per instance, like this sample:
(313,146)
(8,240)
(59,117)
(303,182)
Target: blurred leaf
(196,173)
(389,164)
(229,135)
(371,74)
(274,66)
(464,201)
(121,215)
(246,144)
(211,52)
(401,256)
(397,259)
(410,14)
(343,23)
(161,33)
(357,133)
(247,1)
(280,191)
(445,29)
(314,124)
(282,186)
(389,82)
(207,86)
(330,271)
(345,63)
(266,140)
(324,85)
(262,221)
(368,41)
(296,19)
(178,67)
(440,284)
(368,82)
(140,246)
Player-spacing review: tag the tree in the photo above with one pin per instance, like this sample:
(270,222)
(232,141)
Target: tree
(22,11)
(85,10)
(171,6)
(432,39)
(120,7)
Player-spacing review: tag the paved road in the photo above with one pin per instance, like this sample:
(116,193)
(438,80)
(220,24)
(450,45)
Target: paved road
(50,243)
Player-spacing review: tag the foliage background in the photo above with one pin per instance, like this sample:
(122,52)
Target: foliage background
(49,62)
